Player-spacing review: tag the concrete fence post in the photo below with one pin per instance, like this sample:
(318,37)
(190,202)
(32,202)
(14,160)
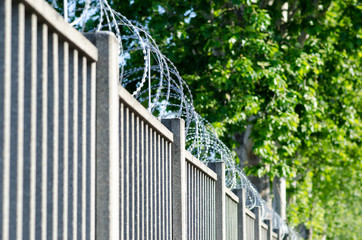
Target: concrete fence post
(107,140)
(219,169)
(241,213)
(270,229)
(257,228)
(177,127)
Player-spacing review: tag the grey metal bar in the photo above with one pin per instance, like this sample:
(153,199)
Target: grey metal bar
(5,113)
(55,131)
(131,165)
(31,79)
(20,119)
(75,142)
(43,45)
(147,180)
(141,200)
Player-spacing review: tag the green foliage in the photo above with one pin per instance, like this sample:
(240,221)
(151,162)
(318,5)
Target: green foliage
(296,79)
(292,69)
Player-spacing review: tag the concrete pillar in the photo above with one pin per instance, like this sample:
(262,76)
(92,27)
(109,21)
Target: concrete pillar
(241,213)
(219,169)
(107,140)
(257,228)
(177,127)
(279,201)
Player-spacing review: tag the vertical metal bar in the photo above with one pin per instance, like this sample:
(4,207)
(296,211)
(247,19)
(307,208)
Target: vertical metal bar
(137,178)
(69,144)
(214,210)
(132,175)
(170,160)
(18,123)
(151,183)
(159,189)
(122,131)
(165,162)
(79,146)
(191,223)
(60,140)
(84,146)
(199,183)
(162,187)
(194,200)
(147,182)
(31,44)
(55,136)
(204,206)
(5,115)
(65,80)
(141,195)
(44,145)
(75,143)
(93,150)
(167,180)
(127,173)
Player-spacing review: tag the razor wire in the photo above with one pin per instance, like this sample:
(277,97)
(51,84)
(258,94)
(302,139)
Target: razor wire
(156,83)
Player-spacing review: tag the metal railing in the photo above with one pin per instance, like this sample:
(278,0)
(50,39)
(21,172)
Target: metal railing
(145,172)
(231,215)
(200,200)
(47,96)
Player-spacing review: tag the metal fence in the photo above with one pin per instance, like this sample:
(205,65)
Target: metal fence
(82,159)
(231,215)
(250,225)
(264,231)
(46,125)
(200,199)
(145,172)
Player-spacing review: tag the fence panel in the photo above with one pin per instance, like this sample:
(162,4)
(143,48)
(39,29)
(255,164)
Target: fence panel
(200,200)
(47,135)
(264,231)
(250,225)
(145,171)
(231,221)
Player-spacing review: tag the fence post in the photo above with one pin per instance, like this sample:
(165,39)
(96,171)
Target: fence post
(107,140)
(177,127)
(219,169)
(241,213)
(257,228)
(270,229)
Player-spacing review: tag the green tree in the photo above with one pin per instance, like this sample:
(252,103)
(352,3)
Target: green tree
(292,71)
